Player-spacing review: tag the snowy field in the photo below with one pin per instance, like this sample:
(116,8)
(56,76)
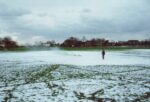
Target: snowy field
(75,76)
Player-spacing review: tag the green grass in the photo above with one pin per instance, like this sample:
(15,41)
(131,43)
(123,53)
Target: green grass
(116,48)
(110,48)
(15,49)
(43,74)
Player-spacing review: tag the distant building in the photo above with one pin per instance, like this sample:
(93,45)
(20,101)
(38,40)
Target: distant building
(46,44)
(133,42)
(72,42)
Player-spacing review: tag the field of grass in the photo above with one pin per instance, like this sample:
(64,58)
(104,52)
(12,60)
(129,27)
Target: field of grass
(69,83)
(15,49)
(110,48)
(75,76)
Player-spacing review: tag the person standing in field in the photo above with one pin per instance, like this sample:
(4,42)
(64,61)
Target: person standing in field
(103,54)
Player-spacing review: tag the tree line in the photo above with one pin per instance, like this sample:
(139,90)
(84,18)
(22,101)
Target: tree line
(94,42)
(7,43)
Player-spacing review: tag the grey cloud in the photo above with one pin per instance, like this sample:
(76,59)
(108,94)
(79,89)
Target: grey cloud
(133,18)
(130,21)
(86,10)
(7,12)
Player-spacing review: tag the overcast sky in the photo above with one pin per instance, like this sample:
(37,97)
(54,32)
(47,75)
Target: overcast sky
(39,20)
